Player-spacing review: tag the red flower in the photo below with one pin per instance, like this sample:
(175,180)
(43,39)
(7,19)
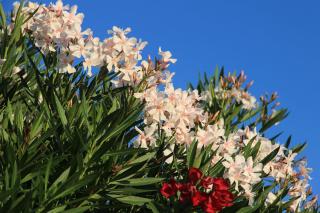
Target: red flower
(206,182)
(211,202)
(184,196)
(169,189)
(219,198)
(186,190)
(222,198)
(198,198)
(194,175)
(220,184)
(217,201)
(208,207)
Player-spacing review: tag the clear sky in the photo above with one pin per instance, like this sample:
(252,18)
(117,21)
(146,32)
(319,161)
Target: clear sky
(276,43)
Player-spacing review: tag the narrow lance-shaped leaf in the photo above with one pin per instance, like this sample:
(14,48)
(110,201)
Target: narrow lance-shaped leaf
(61,111)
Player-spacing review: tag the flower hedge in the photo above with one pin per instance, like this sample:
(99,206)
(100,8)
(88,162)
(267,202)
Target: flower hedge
(89,125)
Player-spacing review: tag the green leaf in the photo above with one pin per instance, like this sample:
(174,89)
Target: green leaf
(61,179)
(299,148)
(255,150)
(70,188)
(61,111)
(14,175)
(216,169)
(36,127)
(133,190)
(191,154)
(121,152)
(247,149)
(248,209)
(3,17)
(77,209)
(46,177)
(132,200)
(287,144)
(58,209)
(279,116)
(16,203)
(114,107)
(137,181)
(29,177)
(269,157)
(197,160)
(10,112)
(153,207)
(142,158)
(18,118)
(250,114)
(263,195)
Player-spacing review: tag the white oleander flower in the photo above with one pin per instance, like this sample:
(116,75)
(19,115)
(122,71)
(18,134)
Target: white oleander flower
(166,57)
(145,138)
(270,198)
(242,171)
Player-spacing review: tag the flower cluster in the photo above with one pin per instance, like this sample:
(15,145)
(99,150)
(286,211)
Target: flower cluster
(211,194)
(57,28)
(181,116)
(300,189)
(231,88)
(178,115)
(243,171)
(177,112)
(246,172)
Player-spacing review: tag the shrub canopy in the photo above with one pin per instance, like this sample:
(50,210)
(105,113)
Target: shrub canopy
(88,125)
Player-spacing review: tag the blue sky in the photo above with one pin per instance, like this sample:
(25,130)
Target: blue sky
(276,43)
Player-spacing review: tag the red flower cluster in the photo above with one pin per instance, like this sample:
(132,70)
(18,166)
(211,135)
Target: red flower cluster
(217,197)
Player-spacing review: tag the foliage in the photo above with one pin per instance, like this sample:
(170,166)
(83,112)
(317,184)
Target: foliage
(70,142)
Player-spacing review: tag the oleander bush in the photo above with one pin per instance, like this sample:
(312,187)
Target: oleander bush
(88,125)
